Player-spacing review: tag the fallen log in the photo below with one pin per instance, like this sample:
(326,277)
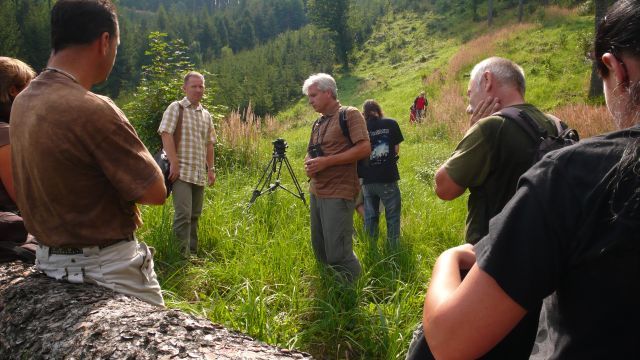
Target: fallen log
(41,318)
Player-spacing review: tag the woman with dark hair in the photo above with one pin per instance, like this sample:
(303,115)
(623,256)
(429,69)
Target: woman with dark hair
(380,174)
(15,75)
(570,231)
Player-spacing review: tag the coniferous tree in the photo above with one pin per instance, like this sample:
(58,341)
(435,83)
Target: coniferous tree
(163,19)
(520,10)
(247,35)
(35,42)
(332,15)
(9,31)
(595,87)
(490,12)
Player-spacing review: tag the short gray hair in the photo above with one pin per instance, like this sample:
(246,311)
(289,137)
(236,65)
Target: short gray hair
(505,71)
(323,81)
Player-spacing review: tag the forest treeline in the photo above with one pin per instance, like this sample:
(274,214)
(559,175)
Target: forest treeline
(258,51)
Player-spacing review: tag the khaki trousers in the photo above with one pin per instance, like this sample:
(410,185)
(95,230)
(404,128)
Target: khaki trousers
(187,203)
(125,267)
(332,235)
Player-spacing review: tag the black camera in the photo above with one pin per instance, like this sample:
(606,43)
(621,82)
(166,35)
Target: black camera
(315,150)
(279,146)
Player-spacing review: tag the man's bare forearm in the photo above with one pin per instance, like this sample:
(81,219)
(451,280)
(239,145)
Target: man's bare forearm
(169,147)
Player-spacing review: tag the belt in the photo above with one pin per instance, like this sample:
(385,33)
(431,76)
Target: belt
(77,251)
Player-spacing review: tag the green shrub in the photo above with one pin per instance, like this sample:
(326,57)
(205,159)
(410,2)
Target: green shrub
(161,84)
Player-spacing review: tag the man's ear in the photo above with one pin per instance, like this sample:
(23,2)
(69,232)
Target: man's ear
(488,78)
(105,43)
(616,68)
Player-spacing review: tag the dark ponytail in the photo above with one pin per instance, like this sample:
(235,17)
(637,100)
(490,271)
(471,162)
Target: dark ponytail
(617,34)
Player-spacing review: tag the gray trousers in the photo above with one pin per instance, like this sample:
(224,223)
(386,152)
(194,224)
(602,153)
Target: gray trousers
(332,235)
(187,203)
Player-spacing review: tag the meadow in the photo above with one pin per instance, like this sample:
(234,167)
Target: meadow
(255,271)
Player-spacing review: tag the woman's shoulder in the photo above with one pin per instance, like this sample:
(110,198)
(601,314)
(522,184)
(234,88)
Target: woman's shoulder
(608,144)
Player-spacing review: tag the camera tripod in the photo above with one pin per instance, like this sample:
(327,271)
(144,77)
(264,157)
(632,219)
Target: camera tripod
(275,167)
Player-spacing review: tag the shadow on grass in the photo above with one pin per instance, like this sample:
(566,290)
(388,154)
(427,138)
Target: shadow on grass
(364,319)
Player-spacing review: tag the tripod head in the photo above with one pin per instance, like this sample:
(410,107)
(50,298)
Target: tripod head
(274,167)
(279,147)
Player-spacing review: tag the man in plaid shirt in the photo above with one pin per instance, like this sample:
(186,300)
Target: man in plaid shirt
(191,162)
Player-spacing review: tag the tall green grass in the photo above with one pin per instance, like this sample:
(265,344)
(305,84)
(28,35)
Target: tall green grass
(255,271)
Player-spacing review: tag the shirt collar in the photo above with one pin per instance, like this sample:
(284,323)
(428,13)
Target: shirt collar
(332,111)
(186,103)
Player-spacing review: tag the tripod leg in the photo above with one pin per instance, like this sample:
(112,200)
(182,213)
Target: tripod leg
(264,180)
(295,180)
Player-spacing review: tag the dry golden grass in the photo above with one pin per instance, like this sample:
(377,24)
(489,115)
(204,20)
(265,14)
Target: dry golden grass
(449,108)
(482,47)
(589,120)
(559,12)
(241,131)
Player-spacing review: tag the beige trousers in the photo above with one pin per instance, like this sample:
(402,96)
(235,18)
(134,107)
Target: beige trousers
(125,267)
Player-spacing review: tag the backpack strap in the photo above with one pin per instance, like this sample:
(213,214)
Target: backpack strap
(560,126)
(530,126)
(177,133)
(343,123)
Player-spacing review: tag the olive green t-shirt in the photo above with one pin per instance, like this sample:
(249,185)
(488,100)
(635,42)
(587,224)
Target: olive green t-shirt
(489,161)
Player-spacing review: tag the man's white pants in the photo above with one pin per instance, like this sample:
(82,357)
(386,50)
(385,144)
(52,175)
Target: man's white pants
(125,267)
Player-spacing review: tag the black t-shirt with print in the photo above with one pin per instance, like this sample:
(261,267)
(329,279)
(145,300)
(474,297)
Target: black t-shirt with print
(567,231)
(382,166)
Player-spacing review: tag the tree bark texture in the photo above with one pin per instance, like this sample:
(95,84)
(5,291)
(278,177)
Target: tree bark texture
(41,318)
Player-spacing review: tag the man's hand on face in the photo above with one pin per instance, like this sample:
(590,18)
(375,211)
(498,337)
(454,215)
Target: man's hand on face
(485,108)
(315,165)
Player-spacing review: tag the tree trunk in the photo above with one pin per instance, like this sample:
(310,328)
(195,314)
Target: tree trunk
(595,87)
(490,12)
(44,319)
(474,9)
(520,10)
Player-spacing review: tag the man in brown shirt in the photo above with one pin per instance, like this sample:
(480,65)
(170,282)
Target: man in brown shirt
(331,165)
(79,166)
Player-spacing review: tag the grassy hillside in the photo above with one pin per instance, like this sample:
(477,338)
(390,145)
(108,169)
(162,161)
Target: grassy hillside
(256,272)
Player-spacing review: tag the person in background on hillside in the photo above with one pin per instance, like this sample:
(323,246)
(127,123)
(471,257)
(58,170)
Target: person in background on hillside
(79,166)
(570,231)
(330,163)
(488,161)
(15,242)
(380,174)
(420,103)
(412,114)
(191,161)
